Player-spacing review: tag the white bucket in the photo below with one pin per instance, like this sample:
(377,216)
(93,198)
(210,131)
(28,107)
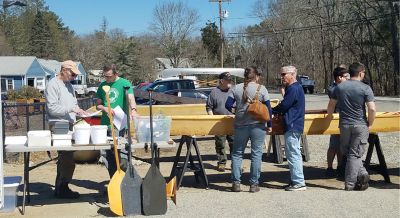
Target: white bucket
(98,134)
(82,134)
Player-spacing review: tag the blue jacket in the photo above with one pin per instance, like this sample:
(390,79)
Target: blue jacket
(293,108)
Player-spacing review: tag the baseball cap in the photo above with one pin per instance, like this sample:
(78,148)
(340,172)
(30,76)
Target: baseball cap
(71,65)
(225,76)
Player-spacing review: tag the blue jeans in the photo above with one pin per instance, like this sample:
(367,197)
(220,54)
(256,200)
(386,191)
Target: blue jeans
(294,158)
(256,133)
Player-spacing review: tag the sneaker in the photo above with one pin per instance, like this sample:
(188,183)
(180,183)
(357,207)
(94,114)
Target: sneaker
(362,183)
(254,188)
(67,193)
(348,188)
(297,187)
(221,167)
(330,173)
(236,187)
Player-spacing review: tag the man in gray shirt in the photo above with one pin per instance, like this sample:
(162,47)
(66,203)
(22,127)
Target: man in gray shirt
(351,98)
(61,104)
(216,106)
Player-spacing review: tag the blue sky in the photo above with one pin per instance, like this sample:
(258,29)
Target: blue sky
(134,16)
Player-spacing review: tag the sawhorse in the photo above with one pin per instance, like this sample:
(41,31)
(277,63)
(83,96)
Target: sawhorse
(373,141)
(189,165)
(278,146)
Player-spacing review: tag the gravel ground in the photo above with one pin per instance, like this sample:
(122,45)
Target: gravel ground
(323,198)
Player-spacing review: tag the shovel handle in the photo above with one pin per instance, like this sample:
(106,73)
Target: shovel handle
(110,116)
(151,125)
(128,119)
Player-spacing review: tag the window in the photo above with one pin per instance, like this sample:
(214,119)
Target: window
(40,83)
(10,84)
(31,82)
(3,85)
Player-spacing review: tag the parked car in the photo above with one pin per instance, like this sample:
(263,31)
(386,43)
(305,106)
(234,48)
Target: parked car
(142,86)
(166,85)
(307,83)
(187,93)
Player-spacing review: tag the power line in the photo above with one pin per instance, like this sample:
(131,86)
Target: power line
(305,28)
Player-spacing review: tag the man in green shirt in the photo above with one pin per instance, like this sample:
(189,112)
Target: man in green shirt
(117,98)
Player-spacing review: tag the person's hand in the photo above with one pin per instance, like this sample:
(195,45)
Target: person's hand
(329,116)
(105,109)
(134,114)
(80,112)
(269,129)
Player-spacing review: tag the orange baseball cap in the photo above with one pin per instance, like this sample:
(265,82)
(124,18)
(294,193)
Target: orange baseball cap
(71,65)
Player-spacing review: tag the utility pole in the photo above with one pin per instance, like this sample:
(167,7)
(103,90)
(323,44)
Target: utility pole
(221,33)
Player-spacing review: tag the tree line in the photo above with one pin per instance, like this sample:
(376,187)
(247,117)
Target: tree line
(314,35)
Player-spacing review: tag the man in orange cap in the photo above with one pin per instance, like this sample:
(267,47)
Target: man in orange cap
(62,105)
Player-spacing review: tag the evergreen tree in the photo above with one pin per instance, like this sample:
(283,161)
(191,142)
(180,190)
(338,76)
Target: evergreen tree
(40,40)
(210,38)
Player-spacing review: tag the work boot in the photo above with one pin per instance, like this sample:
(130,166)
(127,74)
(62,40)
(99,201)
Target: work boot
(236,187)
(66,193)
(221,167)
(254,188)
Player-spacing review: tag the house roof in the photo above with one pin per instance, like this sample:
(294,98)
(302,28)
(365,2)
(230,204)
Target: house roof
(15,65)
(50,66)
(166,62)
(53,67)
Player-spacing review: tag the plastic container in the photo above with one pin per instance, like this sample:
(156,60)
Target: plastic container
(39,138)
(161,129)
(11,183)
(61,127)
(98,134)
(82,134)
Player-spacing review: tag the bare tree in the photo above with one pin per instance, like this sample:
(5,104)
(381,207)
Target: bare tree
(173,24)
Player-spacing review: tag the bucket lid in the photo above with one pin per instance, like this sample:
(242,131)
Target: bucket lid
(99,127)
(12,181)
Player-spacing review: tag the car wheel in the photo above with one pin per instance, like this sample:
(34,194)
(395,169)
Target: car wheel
(305,90)
(311,90)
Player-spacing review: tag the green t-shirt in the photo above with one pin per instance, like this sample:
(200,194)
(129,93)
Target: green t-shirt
(117,96)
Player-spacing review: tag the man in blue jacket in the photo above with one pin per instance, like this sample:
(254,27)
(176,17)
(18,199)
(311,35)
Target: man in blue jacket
(292,107)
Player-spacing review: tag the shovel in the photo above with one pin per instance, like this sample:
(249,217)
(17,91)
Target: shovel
(131,183)
(154,193)
(114,187)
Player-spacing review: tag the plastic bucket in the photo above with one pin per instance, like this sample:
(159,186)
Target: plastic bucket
(82,134)
(98,134)
(10,193)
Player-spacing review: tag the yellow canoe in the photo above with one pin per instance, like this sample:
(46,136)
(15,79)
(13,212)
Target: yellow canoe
(315,124)
(191,119)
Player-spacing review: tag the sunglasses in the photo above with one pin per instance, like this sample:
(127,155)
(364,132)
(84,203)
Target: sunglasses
(72,73)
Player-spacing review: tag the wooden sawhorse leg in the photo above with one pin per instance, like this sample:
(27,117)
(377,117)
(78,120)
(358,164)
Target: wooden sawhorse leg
(373,141)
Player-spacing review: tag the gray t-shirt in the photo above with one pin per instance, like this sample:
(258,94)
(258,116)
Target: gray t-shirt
(60,100)
(216,101)
(351,97)
(242,118)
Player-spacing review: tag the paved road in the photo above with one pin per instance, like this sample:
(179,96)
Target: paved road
(319,101)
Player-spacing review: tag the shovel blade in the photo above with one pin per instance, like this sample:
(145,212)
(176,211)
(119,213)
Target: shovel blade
(114,193)
(154,198)
(171,189)
(131,192)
